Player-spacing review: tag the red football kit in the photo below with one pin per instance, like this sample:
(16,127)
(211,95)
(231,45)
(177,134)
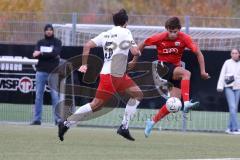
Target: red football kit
(109,85)
(171,51)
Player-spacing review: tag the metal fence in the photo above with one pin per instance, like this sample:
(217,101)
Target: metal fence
(27,28)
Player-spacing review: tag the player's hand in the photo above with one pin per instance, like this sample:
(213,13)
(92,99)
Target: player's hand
(83,69)
(36,54)
(205,75)
(131,65)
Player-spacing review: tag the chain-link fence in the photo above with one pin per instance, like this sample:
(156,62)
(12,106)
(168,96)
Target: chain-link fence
(27,28)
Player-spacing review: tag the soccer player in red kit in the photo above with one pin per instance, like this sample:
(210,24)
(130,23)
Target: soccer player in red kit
(170,46)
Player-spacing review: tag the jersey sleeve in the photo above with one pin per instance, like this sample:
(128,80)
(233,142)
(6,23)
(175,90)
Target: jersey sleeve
(130,38)
(153,40)
(98,39)
(190,44)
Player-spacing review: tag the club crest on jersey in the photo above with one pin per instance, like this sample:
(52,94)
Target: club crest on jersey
(177,43)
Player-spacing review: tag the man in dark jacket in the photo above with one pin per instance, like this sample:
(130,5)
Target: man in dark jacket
(47,51)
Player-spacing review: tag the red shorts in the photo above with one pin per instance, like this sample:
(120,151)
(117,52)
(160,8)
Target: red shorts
(109,85)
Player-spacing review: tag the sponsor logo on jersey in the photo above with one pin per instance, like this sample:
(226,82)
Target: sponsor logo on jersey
(170,50)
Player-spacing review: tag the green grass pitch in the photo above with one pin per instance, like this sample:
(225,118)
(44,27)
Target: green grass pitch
(23,142)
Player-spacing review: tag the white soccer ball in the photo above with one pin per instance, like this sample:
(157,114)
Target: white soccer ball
(173,104)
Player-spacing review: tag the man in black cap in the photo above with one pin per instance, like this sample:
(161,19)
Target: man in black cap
(47,51)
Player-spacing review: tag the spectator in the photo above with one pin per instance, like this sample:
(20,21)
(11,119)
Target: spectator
(229,81)
(47,51)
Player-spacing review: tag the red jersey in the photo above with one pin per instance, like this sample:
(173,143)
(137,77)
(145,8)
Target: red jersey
(171,51)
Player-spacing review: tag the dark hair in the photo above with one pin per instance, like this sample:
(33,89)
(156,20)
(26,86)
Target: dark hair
(120,18)
(173,23)
(47,26)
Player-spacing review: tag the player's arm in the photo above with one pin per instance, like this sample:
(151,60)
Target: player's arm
(140,48)
(201,63)
(136,53)
(134,50)
(132,63)
(97,41)
(86,49)
(153,40)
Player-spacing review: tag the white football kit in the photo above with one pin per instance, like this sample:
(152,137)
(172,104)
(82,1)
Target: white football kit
(116,43)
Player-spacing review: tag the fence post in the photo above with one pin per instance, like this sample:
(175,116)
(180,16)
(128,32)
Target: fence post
(74,24)
(187,24)
(184,115)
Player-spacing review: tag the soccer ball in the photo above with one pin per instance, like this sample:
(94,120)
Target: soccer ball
(173,104)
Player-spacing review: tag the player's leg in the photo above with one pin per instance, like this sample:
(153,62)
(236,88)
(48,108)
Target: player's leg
(104,92)
(83,111)
(184,75)
(131,106)
(41,80)
(78,115)
(130,88)
(175,92)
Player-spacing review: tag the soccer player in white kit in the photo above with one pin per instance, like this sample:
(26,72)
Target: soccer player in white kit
(116,44)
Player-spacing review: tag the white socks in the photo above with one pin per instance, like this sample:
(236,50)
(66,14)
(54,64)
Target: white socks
(86,109)
(129,111)
(78,115)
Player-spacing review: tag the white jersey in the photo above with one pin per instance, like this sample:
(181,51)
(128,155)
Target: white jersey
(116,43)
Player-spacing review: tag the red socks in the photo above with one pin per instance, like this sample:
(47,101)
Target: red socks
(161,113)
(185,87)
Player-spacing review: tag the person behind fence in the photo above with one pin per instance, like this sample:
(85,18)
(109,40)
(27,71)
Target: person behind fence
(47,51)
(229,81)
